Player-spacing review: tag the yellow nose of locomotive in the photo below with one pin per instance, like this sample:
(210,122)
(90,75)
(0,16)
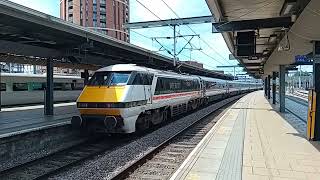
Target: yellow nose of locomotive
(102,94)
(92,96)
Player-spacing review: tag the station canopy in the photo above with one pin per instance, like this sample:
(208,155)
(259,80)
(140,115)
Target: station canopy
(29,36)
(256,32)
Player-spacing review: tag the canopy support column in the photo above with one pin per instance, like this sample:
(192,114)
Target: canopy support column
(49,89)
(282,89)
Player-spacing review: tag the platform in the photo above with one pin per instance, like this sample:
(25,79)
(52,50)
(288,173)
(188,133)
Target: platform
(253,141)
(20,120)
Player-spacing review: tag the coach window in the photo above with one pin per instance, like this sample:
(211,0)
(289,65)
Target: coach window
(38,86)
(196,85)
(147,79)
(57,86)
(174,85)
(77,86)
(159,87)
(67,86)
(3,87)
(187,85)
(137,80)
(20,87)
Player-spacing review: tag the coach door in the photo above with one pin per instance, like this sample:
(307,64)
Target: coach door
(147,81)
(202,88)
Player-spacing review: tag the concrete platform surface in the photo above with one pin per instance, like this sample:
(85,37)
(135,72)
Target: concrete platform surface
(25,119)
(252,141)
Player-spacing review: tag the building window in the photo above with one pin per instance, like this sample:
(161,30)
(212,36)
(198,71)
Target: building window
(94,23)
(123,14)
(103,24)
(70,19)
(102,10)
(103,17)
(70,3)
(94,16)
(94,8)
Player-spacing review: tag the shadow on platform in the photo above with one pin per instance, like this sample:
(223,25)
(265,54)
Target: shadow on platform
(299,125)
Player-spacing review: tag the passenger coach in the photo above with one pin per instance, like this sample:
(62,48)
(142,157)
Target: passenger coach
(23,89)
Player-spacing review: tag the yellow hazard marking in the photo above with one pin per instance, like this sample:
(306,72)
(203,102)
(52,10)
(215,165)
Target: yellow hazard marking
(193,176)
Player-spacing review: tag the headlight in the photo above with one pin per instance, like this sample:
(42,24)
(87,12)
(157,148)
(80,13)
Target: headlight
(111,105)
(82,105)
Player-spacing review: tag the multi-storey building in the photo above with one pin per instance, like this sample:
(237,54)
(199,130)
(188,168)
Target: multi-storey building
(105,16)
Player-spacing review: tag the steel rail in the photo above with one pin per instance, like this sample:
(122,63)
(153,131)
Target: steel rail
(58,161)
(135,164)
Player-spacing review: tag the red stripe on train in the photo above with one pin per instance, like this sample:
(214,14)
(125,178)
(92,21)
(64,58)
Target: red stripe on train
(168,96)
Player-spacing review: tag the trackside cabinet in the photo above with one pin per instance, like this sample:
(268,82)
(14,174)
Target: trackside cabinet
(311,114)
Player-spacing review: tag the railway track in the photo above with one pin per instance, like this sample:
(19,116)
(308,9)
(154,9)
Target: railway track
(170,153)
(295,100)
(303,95)
(162,161)
(43,168)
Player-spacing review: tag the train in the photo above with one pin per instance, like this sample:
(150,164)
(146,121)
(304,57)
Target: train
(25,89)
(126,98)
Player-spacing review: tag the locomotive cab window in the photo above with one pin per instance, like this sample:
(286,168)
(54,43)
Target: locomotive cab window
(109,79)
(119,78)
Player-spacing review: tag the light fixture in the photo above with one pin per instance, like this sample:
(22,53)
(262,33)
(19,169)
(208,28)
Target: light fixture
(265,52)
(272,38)
(287,7)
(253,58)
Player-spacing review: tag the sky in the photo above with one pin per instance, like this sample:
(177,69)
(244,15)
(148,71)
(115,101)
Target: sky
(217,53)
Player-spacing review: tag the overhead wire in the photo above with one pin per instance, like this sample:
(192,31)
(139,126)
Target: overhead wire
(165,47)
(168,48)
(214,68)
(196,34)
(170,26)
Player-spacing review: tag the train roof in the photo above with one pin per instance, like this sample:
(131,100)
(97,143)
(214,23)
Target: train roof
(25,75)
(134,67)
(123,67)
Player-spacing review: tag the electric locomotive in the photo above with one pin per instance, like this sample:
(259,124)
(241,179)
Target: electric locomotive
(126,98)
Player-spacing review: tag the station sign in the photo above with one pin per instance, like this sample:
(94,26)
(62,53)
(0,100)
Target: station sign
(302,59)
